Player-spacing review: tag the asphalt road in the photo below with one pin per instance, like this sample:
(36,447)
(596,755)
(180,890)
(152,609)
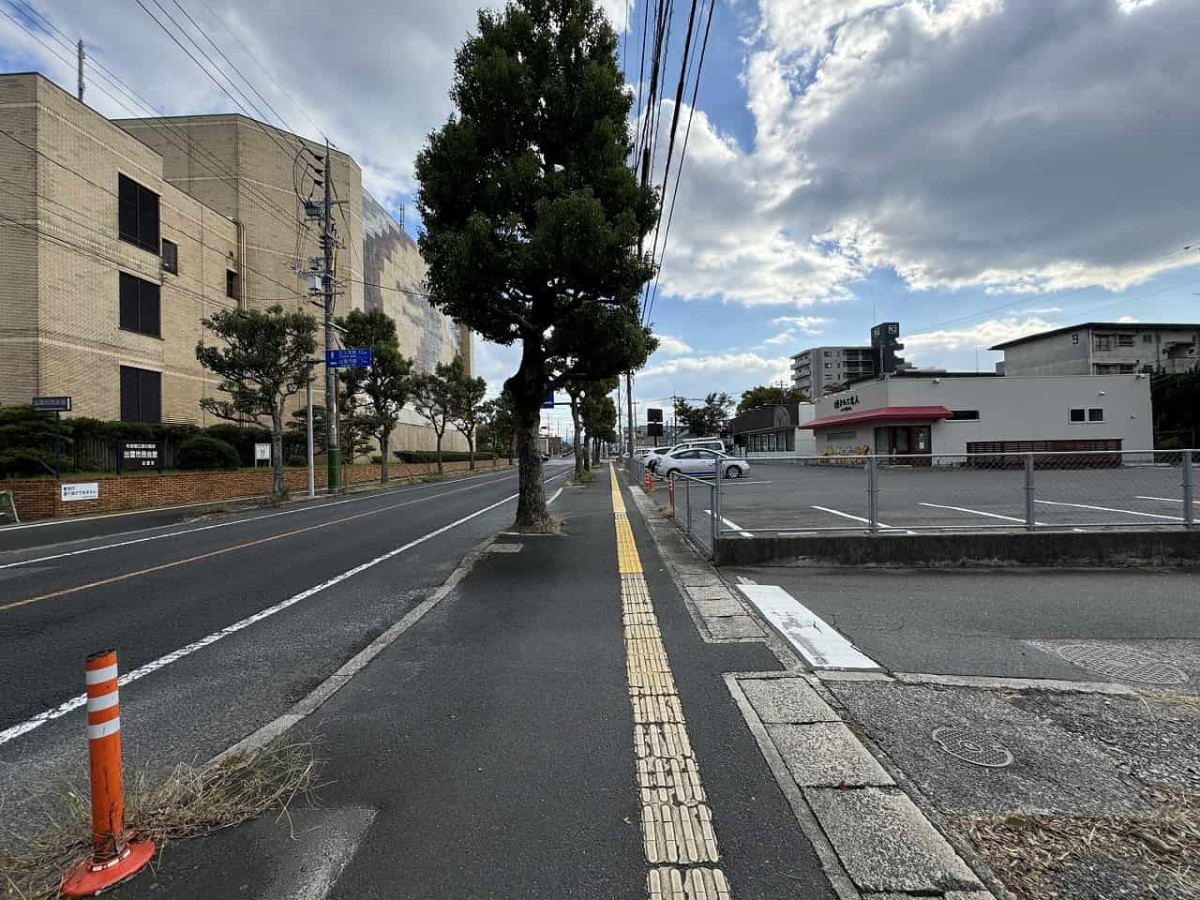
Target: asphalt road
(1001,622)
(176,601)
(782,496)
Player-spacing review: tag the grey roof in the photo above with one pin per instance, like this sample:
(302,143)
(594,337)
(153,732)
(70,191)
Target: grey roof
(1116,326)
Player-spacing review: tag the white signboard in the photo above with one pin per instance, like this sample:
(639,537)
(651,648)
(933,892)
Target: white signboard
(80,490)
(262,452)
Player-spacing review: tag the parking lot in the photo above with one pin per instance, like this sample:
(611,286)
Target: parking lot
(782,496)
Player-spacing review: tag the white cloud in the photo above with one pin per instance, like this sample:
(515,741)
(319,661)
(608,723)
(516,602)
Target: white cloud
(983,334)
(671,346)
(1022,146)
(784,337)
(1127,320)
(806,324)
(495,363)
(748,364)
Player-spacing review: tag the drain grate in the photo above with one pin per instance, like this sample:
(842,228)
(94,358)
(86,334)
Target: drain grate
(973,746)
(1122,664)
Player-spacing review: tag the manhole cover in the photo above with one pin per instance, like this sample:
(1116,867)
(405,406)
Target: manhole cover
(973,746)
(1122,664)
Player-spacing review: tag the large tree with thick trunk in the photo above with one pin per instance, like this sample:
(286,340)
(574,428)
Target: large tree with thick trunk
(533,219)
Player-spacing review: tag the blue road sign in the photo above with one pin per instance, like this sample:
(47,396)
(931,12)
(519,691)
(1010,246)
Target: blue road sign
(548,403)
(350,358)
(52,404)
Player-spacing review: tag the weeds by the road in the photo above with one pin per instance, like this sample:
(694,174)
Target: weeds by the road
(587,476)
(1040,856)
(191,800)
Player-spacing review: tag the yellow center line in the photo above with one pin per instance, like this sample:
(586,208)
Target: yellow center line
(125,576)
(677,829)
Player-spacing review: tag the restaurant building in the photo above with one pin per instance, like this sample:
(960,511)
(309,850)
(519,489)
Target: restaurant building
(914,415)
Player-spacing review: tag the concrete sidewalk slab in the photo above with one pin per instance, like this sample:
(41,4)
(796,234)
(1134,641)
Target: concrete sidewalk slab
(827,754)
(885,842)
(786,700)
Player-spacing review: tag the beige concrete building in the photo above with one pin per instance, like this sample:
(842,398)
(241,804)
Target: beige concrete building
(122,235)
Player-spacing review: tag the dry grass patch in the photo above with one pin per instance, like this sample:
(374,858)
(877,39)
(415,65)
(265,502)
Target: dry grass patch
(190,801)
(1034,855)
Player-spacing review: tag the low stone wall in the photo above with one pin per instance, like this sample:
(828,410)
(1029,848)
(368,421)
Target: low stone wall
(41,498)
(1174,547)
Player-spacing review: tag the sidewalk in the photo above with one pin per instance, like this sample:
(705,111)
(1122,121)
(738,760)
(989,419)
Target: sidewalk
(492,750)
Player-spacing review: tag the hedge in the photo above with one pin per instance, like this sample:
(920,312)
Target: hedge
(204,452)
(430,456)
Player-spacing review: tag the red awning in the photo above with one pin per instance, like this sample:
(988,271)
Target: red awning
(884,413)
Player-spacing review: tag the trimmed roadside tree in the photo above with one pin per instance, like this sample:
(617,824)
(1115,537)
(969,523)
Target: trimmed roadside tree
(598,415)
(532,216)
(377,394)
(433,399)
(468,403)
(261,361)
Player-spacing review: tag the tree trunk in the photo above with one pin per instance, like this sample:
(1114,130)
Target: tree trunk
(439,452)
(384,438)
(471,452)
(531,493)
(277,452)
(578,444)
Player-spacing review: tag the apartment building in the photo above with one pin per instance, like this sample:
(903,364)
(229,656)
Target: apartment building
(1104,348)
(122,235)
(822,370)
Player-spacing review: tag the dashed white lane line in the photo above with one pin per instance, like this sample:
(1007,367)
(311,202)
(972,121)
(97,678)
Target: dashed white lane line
(978,512)
(732,526)
(149,668)
(819,643)
(1127,512)
(846,515)
(1166,499)
(245,521)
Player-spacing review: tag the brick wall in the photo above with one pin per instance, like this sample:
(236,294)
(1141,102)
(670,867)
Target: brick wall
(39,499)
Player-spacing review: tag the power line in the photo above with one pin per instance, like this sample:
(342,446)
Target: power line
(682,158)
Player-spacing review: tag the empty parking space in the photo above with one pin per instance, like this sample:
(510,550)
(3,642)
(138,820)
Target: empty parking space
(786,497)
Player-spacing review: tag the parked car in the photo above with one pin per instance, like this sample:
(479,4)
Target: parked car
(708,443)
(701,461)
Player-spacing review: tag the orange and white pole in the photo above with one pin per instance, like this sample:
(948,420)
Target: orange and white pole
(649,482)
(671,493)
(115,856)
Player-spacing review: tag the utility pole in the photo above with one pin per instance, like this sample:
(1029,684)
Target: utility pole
(327,288)
(79,84)
(629,408)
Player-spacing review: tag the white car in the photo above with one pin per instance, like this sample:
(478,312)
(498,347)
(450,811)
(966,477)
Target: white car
(700,461)
(652,460)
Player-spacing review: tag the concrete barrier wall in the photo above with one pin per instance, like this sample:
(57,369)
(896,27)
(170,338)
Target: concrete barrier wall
(1176,547)
(40,498)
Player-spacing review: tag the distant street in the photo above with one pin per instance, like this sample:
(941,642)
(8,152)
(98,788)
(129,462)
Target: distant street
(324,580)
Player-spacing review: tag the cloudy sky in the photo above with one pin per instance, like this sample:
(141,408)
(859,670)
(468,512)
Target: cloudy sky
(975,169)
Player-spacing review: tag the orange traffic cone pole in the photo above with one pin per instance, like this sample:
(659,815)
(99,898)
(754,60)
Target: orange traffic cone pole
(115,856)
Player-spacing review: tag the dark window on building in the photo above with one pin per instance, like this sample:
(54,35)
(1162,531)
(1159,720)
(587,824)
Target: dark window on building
(1075,339)
(1125,340)
(141,395)
(1147,338)
(964,415)
(1095,414)
(231,283)
(140,306)
(137,214)
(170,257)
(1078,415)
(1104,342)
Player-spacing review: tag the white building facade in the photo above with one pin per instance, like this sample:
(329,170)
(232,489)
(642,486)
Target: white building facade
(904,415)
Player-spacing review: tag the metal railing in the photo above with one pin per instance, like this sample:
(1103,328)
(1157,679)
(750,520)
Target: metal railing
(1072,490)
(693,502)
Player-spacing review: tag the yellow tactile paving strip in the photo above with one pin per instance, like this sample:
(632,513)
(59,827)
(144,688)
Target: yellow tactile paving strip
(677,828)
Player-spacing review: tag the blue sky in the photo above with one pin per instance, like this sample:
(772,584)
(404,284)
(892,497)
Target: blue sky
(974,169)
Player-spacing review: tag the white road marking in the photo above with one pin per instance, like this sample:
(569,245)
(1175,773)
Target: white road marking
(732,526)
(978,512)
(1127,512)
(149,668)
(1166,499)
(286,512)
(822,646)
(845,515)
(742,579)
